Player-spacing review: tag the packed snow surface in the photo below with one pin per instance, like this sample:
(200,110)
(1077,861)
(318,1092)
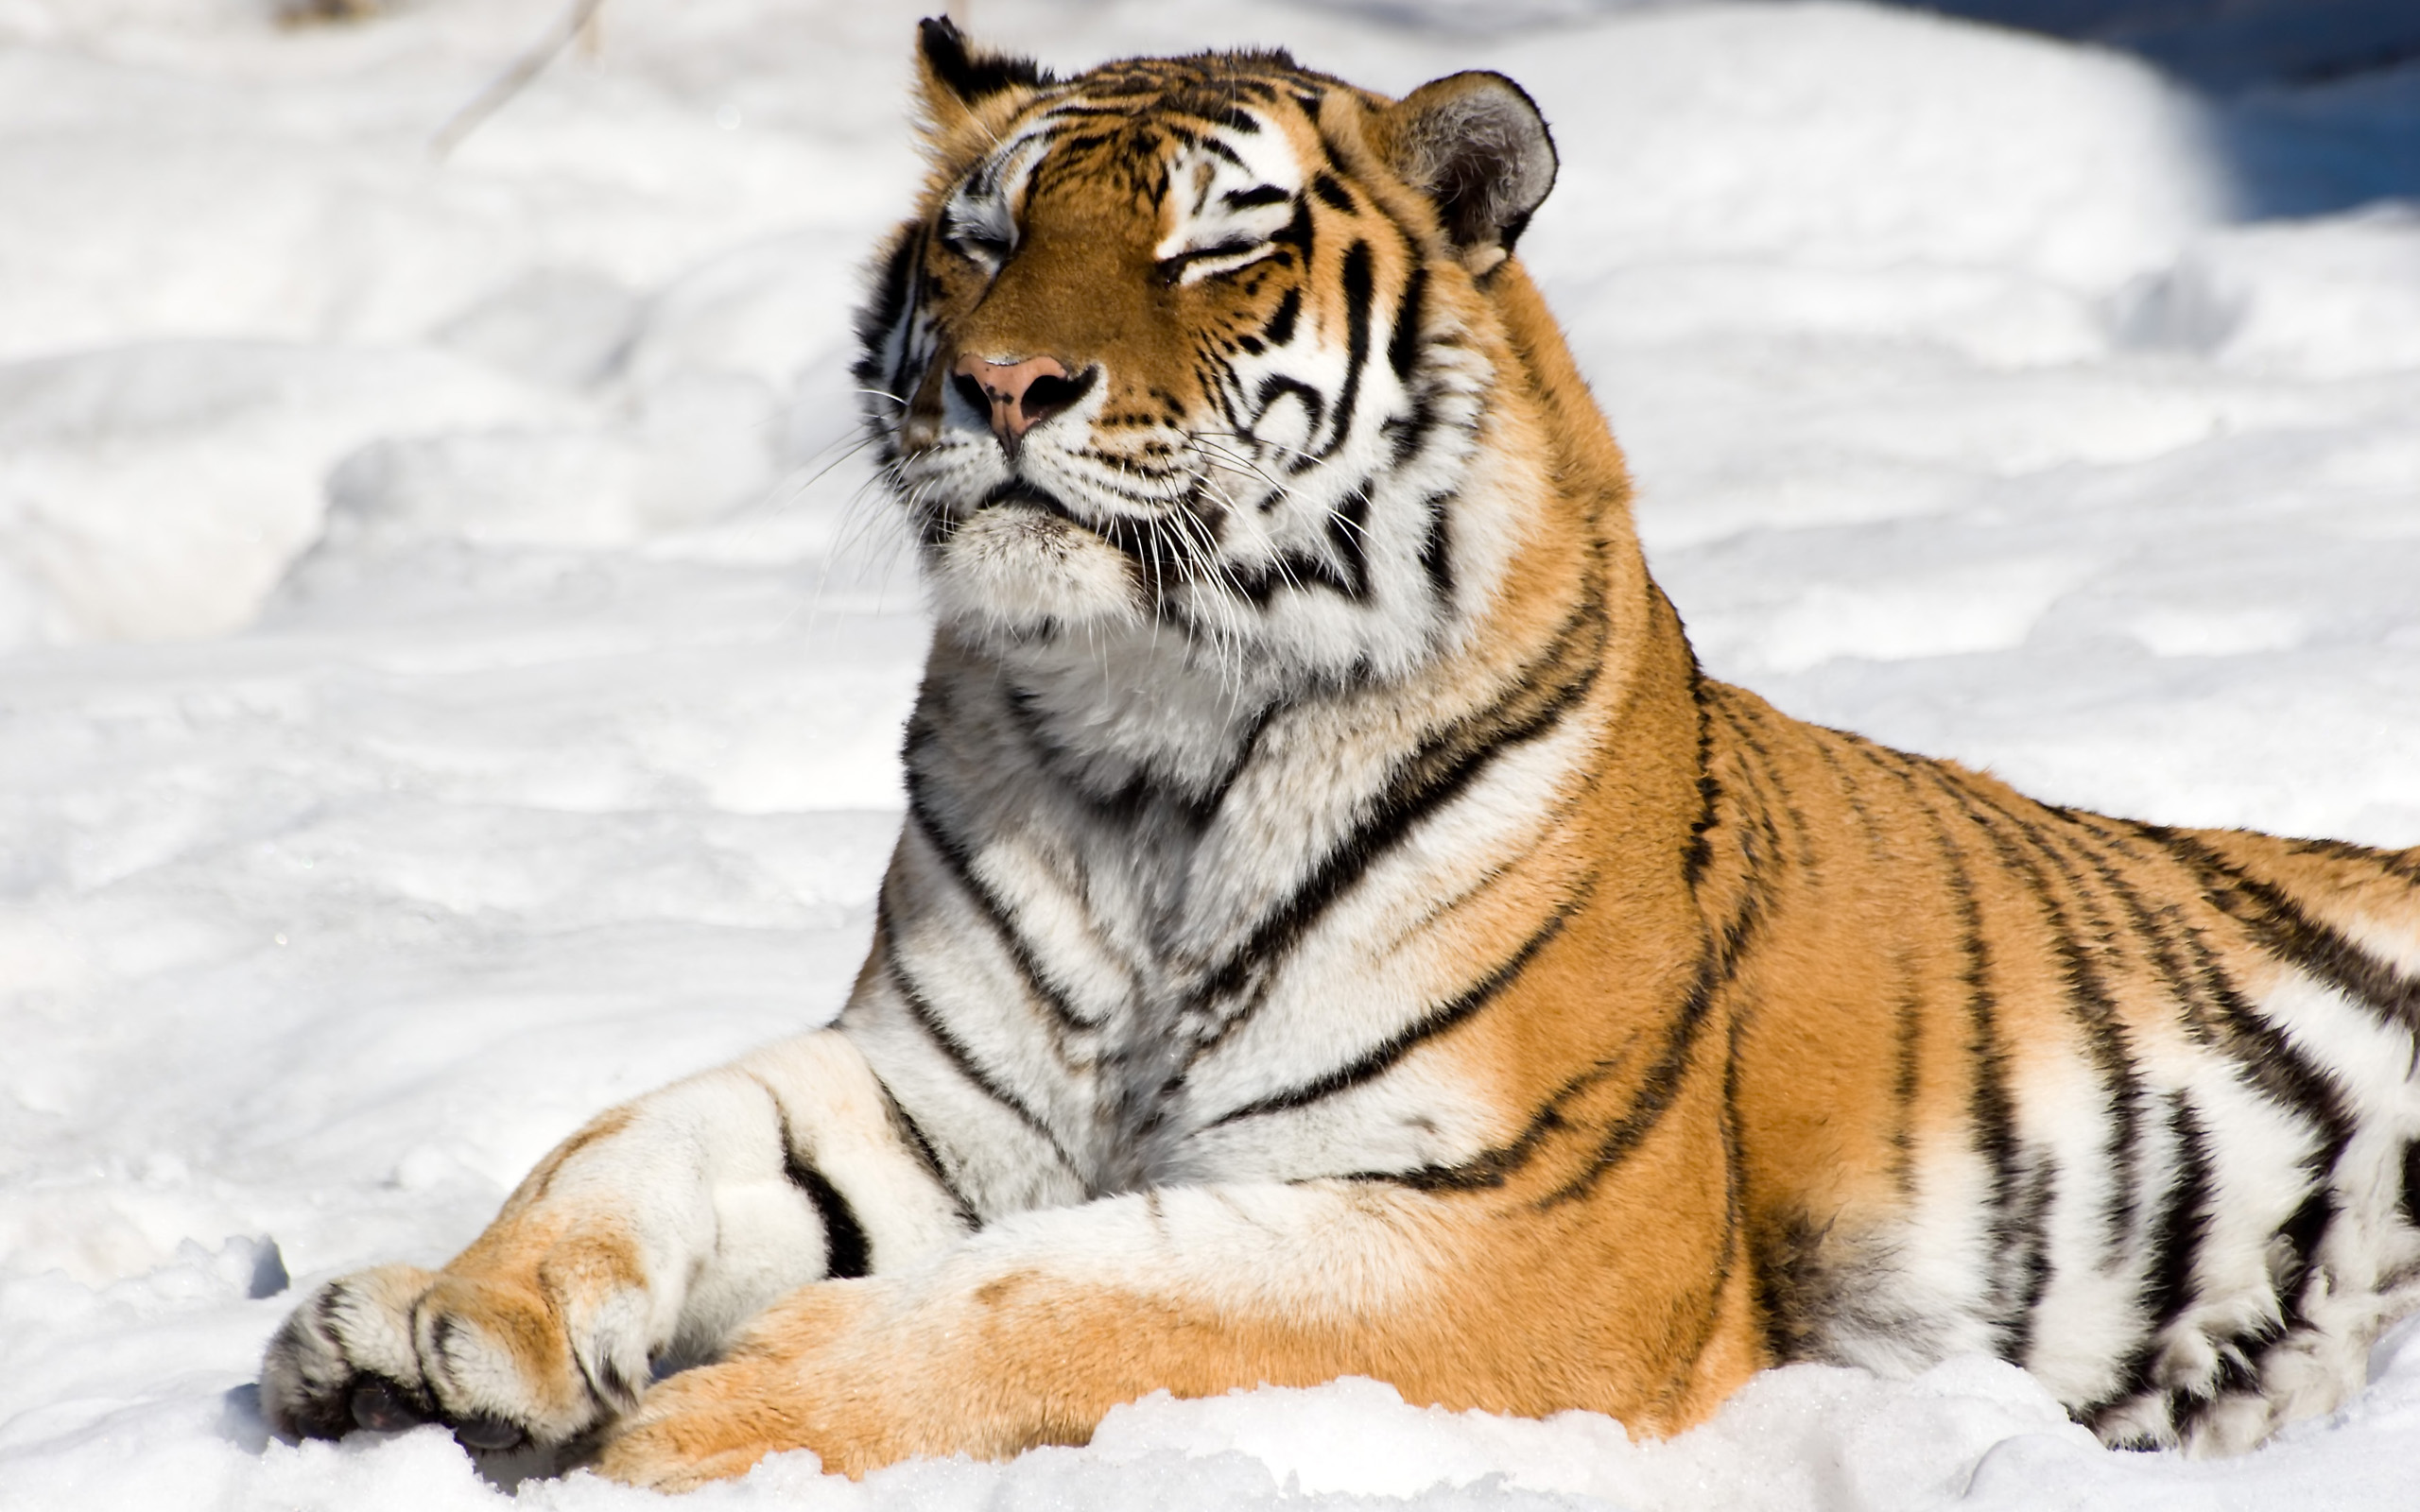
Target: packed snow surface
(451,663)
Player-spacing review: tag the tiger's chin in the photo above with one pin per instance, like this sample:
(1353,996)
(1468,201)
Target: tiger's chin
(1019,570)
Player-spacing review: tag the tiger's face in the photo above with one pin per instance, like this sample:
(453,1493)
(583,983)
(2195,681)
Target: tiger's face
(1196,347)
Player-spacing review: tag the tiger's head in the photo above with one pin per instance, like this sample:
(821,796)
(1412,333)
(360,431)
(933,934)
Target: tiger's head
(1200,345)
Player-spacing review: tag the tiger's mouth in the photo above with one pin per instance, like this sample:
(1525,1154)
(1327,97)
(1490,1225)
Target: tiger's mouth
(1024,561)
(1018,491)
(1151,541)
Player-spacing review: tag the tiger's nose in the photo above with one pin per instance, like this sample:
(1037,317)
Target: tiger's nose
(1019,395)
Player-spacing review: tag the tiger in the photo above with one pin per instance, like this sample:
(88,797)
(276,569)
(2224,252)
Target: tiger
(1338,929)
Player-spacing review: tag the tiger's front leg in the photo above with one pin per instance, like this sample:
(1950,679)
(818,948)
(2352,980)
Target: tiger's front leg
(651,1234)
(1033,1331)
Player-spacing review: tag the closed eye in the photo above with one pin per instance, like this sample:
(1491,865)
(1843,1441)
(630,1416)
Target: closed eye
(979,247)
(1196,263)
(978,225)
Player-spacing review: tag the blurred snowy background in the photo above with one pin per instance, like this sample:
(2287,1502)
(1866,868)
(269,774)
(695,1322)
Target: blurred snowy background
(450,666)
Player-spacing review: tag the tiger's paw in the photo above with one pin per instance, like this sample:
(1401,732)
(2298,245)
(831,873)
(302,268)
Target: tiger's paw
(712,1423)
(509,1363)
(809,1374)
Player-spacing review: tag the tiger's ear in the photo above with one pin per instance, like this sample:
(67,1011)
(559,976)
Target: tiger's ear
(1476,146)
(956,82)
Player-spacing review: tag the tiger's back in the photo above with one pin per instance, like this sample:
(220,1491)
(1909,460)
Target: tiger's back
(2129,1105)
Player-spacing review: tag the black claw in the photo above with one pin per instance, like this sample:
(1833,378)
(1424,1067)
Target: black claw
(489,1434)
(378,1406)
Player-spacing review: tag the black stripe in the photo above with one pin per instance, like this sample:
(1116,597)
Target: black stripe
(1297,234)
(2265,1056)
(846,1252)
(2236,1373)
(1403,344)
(1275,387)
(441,1344)
(1213,146)
(1700,853)
(1661,1087)
(1359,291)
(996,913)
(1279,331)
(1717,966)
(2301,1231)
(1721,954)
(2032,1266)
(1383,1056)
(892,286)
(1904,1086)
(2404,864)
(2218,1014)
(617,1390)
(893,309)
(2090,1001)
(1437,549)
(1083,110)
(1697,1307)
(2183,1224)
(1759,836)
(1141,792)
(1330,191)
(1735,1202)
(1348,532)
(1491,1168)
(1430,777)
(1266,194)
(1990,1113)
(912,1135)
(2281,926)
(1988,1103)
(2279,1071)
(1744,723)
(844,1239)
(953,1049)
(1349,578)
(1406,433)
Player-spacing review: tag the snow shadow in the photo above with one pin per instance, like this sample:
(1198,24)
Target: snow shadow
(2314,105)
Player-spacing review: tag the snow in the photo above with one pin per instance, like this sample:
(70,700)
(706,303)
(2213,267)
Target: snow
(451,668)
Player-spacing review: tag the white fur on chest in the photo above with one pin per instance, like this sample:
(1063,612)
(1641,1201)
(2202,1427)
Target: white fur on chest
(1141,832)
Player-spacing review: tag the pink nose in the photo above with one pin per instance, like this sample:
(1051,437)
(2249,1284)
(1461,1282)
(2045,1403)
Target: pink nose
(1021,395)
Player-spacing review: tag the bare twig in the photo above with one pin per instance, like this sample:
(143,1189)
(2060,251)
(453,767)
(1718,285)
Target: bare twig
(574,21)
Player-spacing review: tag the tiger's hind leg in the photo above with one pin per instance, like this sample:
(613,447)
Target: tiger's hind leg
(2334,965)
(652,1233)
